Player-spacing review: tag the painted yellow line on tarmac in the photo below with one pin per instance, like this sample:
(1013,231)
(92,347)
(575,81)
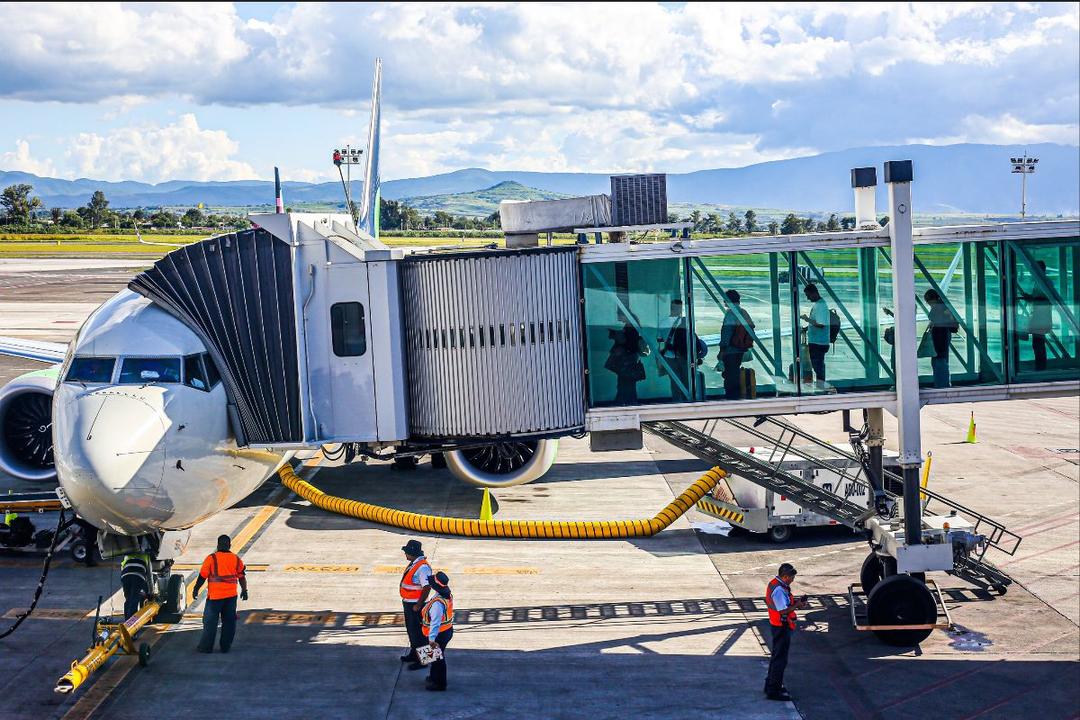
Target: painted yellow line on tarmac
(479,570)
(322,568)
(99,691)
(500,571)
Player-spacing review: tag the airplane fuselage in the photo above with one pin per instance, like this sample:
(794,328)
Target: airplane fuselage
(141,434)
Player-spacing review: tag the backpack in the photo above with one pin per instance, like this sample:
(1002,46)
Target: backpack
(834,325)
(741,339)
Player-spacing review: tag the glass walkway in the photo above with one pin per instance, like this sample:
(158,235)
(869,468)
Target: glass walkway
(714,321)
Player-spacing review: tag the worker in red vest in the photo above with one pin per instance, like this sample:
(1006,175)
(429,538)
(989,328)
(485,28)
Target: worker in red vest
(414,591)
(221,571)
(782,606)
(438,624)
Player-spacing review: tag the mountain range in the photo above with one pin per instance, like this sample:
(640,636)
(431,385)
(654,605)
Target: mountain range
(948,179)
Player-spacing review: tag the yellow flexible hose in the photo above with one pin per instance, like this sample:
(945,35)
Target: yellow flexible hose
(533,529)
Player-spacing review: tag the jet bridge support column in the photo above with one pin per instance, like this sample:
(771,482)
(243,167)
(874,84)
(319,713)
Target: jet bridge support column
(898,176)
(875,420)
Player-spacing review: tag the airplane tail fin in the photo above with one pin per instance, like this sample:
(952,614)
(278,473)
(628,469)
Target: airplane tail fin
(369,215)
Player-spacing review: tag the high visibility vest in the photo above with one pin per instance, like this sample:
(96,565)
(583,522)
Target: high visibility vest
(9,517)
(410,589)
(448,614)
(222,571)
(776,617)
(137,564)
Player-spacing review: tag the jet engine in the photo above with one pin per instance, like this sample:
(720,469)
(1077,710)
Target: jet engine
(26,439)
(503,464)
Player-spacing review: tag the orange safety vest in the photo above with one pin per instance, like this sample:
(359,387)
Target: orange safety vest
(448,614)
(222,571)
(410,589)
(776,617)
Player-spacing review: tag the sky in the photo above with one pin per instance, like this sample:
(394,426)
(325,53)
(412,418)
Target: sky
(220,91)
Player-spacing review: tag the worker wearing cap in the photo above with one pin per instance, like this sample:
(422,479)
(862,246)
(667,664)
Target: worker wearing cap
(414,591)
(222,571)
(438,625)
(782,606)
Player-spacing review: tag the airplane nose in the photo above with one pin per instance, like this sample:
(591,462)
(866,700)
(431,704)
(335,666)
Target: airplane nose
(110,449)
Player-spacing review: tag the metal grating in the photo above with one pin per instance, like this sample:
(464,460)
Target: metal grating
(235,292)
(493,343)
(639,199)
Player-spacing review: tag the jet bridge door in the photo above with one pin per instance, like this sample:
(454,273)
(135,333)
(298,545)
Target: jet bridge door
(493,343)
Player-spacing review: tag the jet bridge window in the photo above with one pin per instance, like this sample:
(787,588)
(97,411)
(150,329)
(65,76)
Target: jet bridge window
(136,371)
(91,369)
(347,329)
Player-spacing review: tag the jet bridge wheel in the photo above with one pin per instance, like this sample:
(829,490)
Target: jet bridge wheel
(875,568)
(901,600)
(503,464)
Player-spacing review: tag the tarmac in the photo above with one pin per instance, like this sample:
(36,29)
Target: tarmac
(667,627)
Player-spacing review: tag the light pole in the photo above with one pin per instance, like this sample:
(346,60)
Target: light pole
(347,156)
(1025,166)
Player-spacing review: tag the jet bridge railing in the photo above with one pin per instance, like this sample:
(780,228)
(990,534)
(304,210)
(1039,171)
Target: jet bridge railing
(1006,300)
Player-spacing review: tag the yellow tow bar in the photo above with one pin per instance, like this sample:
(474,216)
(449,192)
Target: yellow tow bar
(118,638)
(534,529)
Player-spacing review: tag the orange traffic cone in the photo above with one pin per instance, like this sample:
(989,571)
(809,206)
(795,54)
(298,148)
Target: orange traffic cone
(971,430)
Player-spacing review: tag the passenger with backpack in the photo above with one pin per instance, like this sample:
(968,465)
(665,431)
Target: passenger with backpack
(821,331)
(736,339)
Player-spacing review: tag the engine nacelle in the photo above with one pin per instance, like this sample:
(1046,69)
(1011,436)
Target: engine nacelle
(26,438)
(503,464)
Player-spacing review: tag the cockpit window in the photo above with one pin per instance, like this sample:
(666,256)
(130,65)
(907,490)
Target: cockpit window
(194,375)
(91,369)
(212,373)
(137,371)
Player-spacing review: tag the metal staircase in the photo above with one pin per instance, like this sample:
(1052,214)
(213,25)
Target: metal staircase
(762,470)
(781,438)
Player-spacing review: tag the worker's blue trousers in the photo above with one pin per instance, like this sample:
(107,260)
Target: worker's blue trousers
(226,610)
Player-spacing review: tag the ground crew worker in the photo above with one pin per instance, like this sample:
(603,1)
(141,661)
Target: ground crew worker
(414,590)
(221,571)
(782,606)
(134,579)
(438,625)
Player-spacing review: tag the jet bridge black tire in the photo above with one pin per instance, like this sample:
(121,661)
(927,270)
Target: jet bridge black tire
(875,568)
(901,600)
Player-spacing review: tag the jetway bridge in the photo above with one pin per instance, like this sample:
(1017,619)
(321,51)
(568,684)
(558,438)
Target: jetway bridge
(324,335)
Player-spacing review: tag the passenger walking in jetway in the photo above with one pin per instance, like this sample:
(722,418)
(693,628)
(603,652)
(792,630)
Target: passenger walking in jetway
(736,339)
(135,581)
(624,360)
(1039,320)
(676,353)
(818,324)
(942,326)
(438,627)
(782,618)
(413,589)
(222,571)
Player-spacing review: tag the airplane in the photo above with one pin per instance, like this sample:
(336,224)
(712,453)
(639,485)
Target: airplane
(131,418)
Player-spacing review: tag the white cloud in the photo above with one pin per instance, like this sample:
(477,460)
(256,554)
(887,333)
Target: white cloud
(1006,129)
(154,153)
(21,159)
(545,86)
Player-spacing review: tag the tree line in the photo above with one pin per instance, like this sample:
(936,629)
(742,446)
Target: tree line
(22,208)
